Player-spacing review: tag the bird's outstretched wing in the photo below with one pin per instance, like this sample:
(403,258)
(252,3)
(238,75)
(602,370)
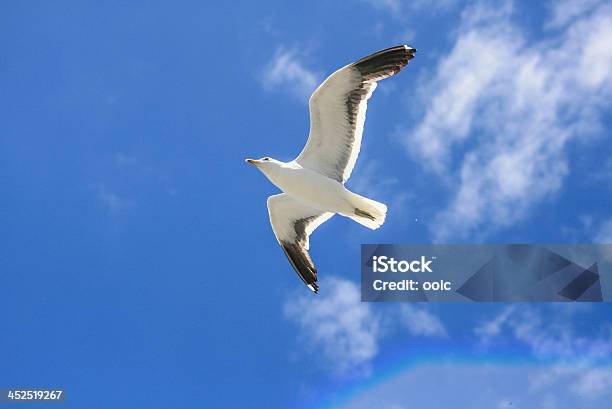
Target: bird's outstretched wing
(292,223)
(338,108)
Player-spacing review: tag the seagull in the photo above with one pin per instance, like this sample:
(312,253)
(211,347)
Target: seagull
(313,183)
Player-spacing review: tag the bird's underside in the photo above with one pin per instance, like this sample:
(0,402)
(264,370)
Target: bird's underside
(337,115)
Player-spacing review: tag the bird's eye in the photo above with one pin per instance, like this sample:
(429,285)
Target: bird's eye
(266,158)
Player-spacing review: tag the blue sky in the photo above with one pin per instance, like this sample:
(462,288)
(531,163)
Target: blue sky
(138,266)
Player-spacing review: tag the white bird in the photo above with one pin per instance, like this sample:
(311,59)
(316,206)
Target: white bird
(313,183)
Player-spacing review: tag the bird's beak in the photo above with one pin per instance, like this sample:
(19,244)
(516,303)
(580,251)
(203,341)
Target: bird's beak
(251,161)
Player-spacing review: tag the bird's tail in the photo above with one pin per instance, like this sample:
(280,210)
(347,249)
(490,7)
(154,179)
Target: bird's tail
(368,212)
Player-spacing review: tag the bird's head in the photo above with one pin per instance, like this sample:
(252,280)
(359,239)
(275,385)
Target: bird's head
(269,167)
(264,164)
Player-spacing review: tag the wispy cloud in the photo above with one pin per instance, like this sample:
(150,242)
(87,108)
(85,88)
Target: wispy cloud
(393,6)
(549,335)
(347,331)
(581,380)
(493,327)
(399,7)
(594,382)
(336,321)
(554,336)
(501,108)
(419,321)
(287,71)
(564,11)
(110,199)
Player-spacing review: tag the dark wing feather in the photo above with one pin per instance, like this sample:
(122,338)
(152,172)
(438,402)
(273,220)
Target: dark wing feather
(338,108)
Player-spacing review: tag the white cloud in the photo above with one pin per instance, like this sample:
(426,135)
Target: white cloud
(287,71)
(547,335)
(551,334)
(594,382)
(336,320)
(392,6)
(348,331)
(399,7)
(419,321)
(580,379)
(564,11)
(492,328)
(500,110)
(111,200)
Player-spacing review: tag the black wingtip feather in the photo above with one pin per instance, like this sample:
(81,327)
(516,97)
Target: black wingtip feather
(302,264)
(385,63)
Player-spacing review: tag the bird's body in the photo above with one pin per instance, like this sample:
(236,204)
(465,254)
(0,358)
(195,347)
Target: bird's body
(313,183)
(311,188)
